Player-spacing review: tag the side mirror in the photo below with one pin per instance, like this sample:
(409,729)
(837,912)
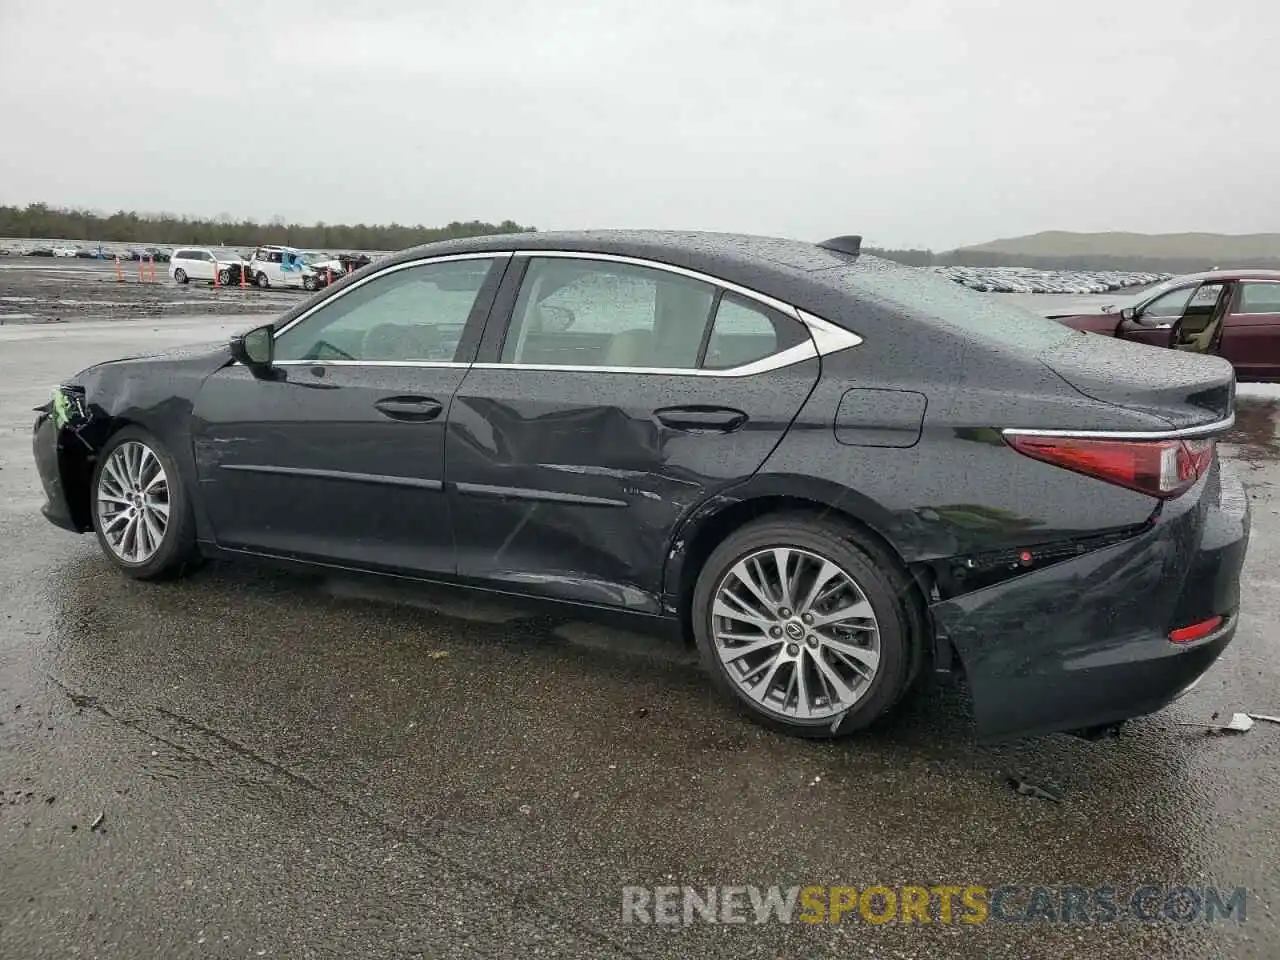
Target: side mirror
(255,349)
(1129,313)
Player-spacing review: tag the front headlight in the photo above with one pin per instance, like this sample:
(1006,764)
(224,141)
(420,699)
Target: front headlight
(66,405)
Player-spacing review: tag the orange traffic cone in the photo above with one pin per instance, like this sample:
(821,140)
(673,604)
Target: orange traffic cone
(119,272)
(151,266)
(216,282)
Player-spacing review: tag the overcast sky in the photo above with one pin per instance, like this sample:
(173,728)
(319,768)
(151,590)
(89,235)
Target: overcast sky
(914,122)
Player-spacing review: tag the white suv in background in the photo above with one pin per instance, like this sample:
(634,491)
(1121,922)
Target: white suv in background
(272,266)
(203,263)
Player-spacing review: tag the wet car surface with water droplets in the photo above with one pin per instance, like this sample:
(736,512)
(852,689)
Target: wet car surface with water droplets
(320,765)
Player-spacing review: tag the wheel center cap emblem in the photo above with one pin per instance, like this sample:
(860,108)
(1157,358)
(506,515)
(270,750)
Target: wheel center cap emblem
(795,631)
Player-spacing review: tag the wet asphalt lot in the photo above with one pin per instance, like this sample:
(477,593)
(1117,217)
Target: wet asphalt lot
(296,765)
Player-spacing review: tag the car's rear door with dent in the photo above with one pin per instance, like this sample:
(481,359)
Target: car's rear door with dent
(619,395)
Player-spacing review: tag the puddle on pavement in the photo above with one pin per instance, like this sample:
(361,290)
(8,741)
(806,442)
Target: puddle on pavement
(1254,436)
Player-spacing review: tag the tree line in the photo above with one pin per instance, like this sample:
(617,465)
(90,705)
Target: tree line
(41,221)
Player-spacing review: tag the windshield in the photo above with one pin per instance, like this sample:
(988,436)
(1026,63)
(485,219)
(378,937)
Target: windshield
(225,254)
(315,256)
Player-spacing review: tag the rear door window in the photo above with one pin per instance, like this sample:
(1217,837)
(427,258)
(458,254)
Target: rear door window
(1259,298)
(599,313)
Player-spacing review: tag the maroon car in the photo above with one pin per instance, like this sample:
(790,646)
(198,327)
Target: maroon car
(1232,313)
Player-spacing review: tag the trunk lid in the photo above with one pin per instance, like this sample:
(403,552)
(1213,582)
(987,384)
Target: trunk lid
(1184,389)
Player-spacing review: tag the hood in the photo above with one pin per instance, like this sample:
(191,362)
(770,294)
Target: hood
(217,355)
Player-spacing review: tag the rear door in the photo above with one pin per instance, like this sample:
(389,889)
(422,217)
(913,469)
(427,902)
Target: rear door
(1250,336)
(619,395)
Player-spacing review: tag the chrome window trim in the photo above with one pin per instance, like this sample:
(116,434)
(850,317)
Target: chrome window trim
(775,361)
(1185,433)
(372,363)
(826,337)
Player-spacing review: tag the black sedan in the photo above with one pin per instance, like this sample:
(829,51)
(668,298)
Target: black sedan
(832,473)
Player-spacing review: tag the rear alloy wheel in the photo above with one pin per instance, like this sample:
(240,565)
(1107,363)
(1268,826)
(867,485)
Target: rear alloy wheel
(262,281)
(180,275)
(803,627)
(140,509)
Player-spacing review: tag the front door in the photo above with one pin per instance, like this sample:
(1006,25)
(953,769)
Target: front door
(1184,308)
(618,397)
(339,456)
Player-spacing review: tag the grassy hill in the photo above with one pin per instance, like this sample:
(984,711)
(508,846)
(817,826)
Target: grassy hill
(1237,250)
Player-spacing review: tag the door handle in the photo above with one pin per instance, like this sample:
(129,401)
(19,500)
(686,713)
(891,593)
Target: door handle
(412,409)
(701,419)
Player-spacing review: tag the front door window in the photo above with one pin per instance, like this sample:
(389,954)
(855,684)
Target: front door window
(412,314)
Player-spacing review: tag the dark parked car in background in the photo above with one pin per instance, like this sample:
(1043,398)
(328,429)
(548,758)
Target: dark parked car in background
(1233,314)
(834,474)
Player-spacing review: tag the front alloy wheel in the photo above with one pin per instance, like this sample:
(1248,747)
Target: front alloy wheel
(133,502)
(140,509)
(796,633)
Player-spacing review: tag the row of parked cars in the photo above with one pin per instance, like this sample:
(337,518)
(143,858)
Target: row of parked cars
(75,251)
(267,266)
(1031,280)
(264,266)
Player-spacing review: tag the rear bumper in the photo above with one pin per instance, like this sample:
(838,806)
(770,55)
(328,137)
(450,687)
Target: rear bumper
(44,445)
(1085,643)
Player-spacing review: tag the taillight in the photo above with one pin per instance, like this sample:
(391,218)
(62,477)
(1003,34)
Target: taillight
(1161,468)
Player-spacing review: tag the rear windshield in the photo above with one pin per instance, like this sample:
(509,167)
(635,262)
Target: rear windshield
(986,315)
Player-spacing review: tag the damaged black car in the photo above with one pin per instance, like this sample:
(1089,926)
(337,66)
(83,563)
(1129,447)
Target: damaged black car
(831,473)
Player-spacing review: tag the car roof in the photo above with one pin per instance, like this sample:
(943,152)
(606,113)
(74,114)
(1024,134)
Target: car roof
(1225,275)
(719,254)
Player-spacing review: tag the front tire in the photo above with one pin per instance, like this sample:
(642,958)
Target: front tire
(141,509)
(224,278)
(309,284)
(804,623)
(262,281)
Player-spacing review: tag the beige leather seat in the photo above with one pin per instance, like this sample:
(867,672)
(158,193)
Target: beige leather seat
(630,348)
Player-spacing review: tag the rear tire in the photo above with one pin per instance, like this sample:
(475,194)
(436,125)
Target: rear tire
(842,624)
(180,275)
(141,509)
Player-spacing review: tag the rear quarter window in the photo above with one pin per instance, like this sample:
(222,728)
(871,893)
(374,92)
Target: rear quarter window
(945,303)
